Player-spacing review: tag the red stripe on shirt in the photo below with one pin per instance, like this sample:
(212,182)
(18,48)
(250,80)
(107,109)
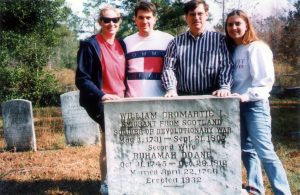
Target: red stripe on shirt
(153,64)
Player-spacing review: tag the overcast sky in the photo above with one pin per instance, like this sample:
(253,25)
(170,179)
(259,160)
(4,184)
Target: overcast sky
(262,7)
(255,8)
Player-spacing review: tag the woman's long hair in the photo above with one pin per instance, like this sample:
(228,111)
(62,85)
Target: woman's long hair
(250,34)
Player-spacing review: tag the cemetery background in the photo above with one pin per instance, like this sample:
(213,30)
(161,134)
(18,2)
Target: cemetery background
(38,64)
(57,168)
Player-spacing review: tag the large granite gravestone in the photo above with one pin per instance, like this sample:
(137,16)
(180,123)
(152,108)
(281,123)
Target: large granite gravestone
(79,128)
(18,125)
(173,146)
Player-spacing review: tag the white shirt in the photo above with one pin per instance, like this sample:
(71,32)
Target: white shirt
(253,70)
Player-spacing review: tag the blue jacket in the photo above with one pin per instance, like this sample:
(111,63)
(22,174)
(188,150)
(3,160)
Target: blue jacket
(89,72)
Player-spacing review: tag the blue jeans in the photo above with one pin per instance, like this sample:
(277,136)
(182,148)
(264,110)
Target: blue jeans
(257,145)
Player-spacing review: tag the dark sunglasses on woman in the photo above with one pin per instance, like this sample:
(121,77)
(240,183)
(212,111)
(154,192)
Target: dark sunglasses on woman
(108,20)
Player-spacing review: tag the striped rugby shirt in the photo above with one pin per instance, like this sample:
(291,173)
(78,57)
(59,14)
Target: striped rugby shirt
(145,56)
(197,65)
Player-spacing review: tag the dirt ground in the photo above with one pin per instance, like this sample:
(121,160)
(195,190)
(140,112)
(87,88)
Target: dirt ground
(72,170)
(59,169)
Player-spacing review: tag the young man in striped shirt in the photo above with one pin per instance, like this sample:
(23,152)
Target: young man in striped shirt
(197,62)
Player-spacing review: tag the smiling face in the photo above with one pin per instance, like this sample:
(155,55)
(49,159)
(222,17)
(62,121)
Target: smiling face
(110,22)
(196,19)
(145,21)
(236,28)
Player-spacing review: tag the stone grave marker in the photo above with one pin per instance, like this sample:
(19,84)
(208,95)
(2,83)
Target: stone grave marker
(19,133)
(173,146)
(79,128)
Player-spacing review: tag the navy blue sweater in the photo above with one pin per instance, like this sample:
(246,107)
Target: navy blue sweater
(88,73)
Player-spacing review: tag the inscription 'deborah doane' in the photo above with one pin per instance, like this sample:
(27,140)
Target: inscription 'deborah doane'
(171,145)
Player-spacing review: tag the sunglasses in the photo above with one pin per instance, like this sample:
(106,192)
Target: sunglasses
(108,20)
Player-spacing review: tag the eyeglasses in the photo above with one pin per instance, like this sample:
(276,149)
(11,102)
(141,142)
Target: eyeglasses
(108,20)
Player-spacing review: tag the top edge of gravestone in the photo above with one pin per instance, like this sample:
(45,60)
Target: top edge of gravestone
(14,100)
(69,93)
(190,97)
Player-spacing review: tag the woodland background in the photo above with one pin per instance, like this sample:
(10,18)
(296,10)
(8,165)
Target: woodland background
(39,40)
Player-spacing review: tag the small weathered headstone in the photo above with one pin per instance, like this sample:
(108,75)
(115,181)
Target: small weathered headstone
(19,133)
(79,128)
(173,146)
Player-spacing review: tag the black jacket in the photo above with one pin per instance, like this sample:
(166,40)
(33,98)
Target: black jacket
(89,73)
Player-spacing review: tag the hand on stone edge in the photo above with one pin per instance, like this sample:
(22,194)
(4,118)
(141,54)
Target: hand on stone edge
(171,93)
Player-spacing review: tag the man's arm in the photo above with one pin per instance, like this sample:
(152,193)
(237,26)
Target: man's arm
(226,67)
(168,77)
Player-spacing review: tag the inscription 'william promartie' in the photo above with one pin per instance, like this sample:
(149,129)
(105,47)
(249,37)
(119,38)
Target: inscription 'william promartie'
(169,115)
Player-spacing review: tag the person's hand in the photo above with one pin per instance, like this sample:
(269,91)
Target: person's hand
(243,98)
(221,93)
(110,97)
(171,93)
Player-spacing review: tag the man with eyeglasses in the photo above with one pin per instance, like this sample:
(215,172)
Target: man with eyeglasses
(100,75)
(145,53)
(197,62)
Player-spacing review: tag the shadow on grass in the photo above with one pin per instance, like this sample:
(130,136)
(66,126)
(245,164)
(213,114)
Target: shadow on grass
(286,125)
(49,187)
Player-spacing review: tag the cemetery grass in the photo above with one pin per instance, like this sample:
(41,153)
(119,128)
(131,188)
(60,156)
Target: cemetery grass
(55,168)
(60,169)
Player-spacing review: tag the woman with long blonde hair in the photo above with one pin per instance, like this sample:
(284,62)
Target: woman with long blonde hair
(253,78)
